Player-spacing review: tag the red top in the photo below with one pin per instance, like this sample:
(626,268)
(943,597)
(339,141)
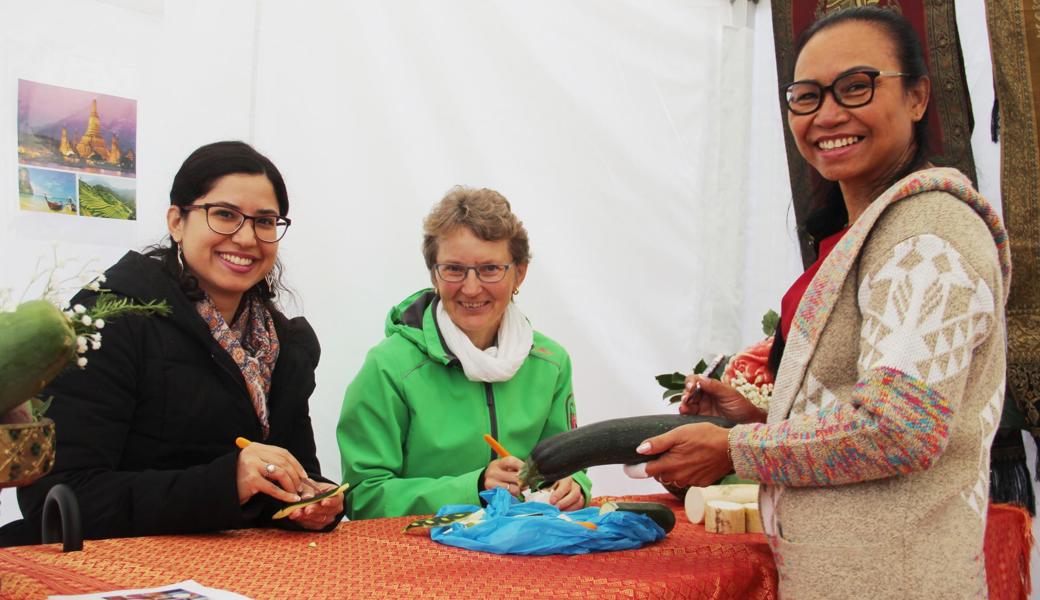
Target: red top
(790,301)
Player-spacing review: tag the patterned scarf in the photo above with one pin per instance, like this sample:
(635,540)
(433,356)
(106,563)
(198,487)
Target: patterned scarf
(252,343)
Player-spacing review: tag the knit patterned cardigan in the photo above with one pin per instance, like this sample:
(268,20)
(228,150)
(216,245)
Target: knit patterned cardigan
(875,457)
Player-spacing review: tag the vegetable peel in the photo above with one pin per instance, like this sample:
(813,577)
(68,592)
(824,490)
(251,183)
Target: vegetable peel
(289,508)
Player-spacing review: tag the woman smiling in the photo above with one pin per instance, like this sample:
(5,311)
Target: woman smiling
(459,361)
(874,454)
(146,432)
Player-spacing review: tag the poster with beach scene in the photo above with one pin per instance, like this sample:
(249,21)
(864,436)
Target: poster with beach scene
(87,136)
(46,190)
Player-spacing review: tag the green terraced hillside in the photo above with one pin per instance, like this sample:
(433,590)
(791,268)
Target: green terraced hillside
(100,201)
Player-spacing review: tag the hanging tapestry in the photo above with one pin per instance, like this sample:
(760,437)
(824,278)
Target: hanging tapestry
(1014,32)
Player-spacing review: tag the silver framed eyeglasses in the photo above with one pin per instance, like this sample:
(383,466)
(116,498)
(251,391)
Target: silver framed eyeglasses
(227,220)
(849,90)
(454,273)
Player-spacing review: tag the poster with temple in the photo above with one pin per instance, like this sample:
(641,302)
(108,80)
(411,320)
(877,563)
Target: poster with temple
(77,152)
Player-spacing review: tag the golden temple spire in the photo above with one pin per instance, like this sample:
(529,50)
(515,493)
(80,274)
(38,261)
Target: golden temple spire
(93,143)
(94,124)
(114,155)
(65,148)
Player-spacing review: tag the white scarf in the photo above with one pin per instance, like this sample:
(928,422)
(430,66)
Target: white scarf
(496,363)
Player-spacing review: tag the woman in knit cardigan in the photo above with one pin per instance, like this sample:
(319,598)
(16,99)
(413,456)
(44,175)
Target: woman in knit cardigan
(874,454)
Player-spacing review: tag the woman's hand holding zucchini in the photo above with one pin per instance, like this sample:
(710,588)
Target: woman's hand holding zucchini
(695,454)
(604,443)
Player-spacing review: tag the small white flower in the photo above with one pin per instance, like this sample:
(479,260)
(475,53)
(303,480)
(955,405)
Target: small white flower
(82,362)
(96,337)
(81,340)
(94,286)
(101,278)
(79,309)
(95,345)
(86,320)
(99,324)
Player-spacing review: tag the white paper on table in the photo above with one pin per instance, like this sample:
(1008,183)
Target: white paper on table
(188,589)
(538,496)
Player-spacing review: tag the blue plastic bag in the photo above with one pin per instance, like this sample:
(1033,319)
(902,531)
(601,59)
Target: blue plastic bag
(509,526)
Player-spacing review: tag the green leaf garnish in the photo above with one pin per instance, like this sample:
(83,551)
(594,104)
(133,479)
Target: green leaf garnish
(770,321)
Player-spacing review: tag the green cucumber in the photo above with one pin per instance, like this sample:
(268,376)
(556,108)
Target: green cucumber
(37,343)
(661,514)
(609,442)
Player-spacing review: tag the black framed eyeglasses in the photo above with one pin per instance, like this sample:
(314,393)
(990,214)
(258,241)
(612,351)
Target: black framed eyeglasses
(849,90)
(227,220)
(454,273)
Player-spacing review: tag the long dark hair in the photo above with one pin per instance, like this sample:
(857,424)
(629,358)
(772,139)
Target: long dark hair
(828,214)
(196,178)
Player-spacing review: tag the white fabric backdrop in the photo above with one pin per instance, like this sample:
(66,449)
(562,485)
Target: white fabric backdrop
(609,127)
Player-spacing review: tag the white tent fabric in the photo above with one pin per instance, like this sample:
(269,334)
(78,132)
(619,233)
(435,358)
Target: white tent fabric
(619,132)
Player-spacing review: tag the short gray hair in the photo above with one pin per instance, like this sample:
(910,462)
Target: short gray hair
(484,212)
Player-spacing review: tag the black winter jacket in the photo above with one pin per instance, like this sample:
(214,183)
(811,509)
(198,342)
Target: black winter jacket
(146,432)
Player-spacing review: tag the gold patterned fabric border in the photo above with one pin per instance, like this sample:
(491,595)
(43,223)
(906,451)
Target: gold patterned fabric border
(950,116)
(1014,31)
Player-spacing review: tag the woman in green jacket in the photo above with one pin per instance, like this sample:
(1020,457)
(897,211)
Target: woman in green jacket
(459,361)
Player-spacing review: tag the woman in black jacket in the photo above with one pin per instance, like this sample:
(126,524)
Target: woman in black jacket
(146,431)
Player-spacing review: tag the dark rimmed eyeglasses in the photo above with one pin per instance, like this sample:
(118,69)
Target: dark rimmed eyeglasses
(454,273)
(849,90)
(226,220)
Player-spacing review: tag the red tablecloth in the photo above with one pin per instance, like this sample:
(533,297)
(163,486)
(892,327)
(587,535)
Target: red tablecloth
(373,559)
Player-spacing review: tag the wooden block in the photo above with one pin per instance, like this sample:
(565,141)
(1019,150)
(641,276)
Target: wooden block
(721,516)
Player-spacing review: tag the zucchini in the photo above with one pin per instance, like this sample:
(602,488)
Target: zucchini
(289,508)
(608,442)
(661,514)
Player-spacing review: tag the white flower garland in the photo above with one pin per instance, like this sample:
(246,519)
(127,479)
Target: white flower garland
(759,395)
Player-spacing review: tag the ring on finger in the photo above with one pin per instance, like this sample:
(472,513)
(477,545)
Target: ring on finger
(269,469)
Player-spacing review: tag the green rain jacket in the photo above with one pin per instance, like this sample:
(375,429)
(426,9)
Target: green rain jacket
(411,429)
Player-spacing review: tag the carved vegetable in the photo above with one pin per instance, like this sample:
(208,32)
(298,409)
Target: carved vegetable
(289,508)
